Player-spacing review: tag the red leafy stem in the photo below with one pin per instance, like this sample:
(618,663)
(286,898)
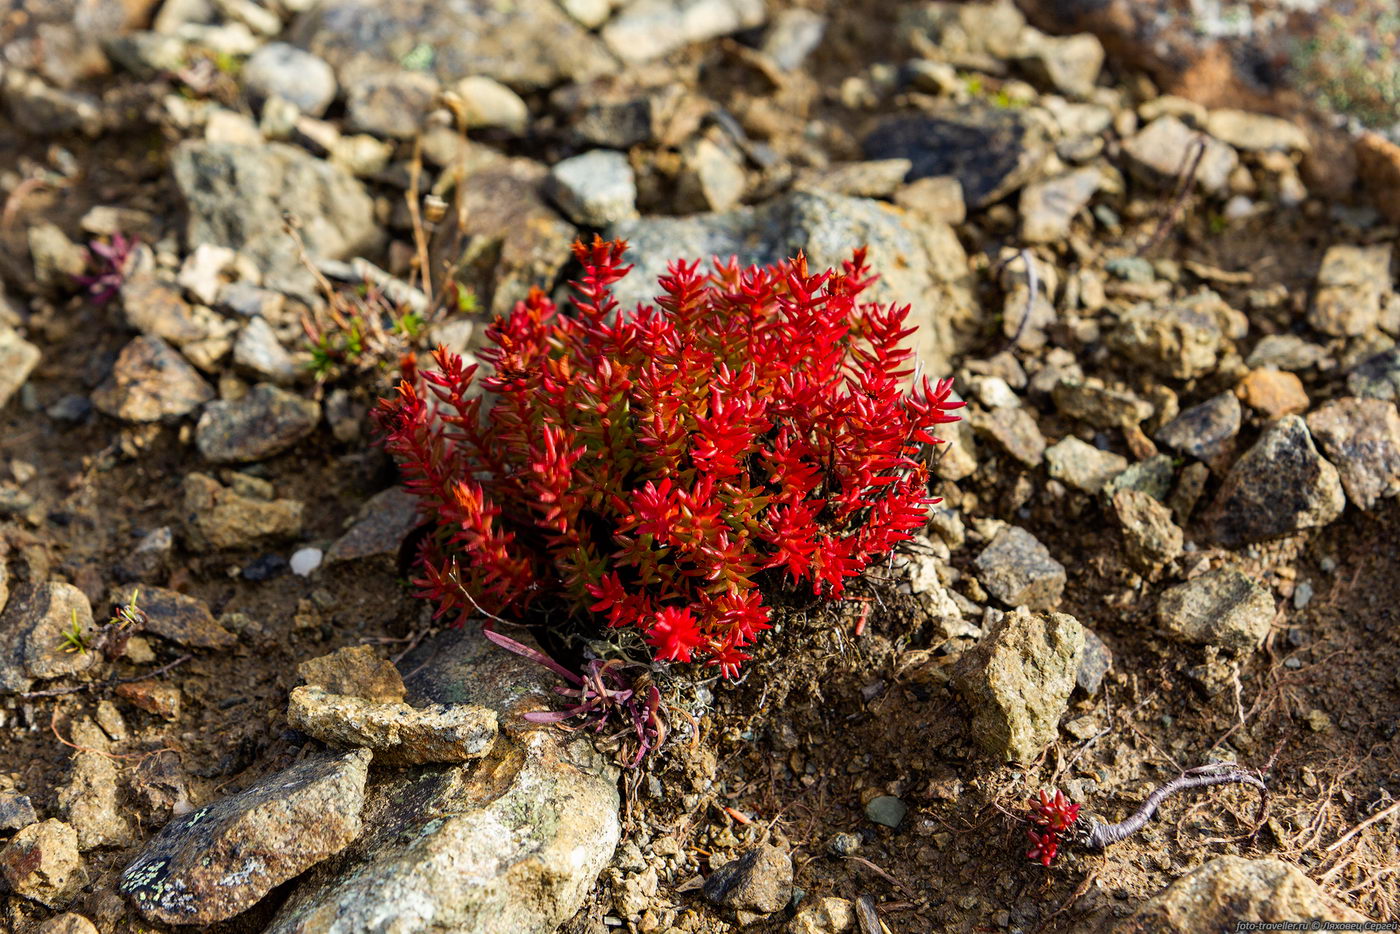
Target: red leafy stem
(605,689)
(1056,819)
(114,262)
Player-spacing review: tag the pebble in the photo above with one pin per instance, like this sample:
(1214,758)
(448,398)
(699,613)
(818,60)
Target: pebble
(18,358)
(1013,430)
(1378,165)
(222,517)
(172,615)
(1279,486)
(1094,664)
(1019,571)
(486,102)
(266,421)
(1351,282)
(1017,682)
(221,859)
(264,568)
(1362,438)
(258,351)
(886,810)
(391,105)
(876,179)
(163,700)
(1069,64)
(794,34)
(647,29)
(1181,340)
(760,881)
(595,189)
(1302,595)
(1162,150)
(33,634)
(1152,538)
(380,528)
(1274,393)
(16,811)
(1206,431)
(1049,207)
(397,733)
(1092,402)
(712,177)
(1255,132)
(57,260)
(151,382)
(67,923)
(1222,608)
(1081,465)
(295,75)
(306,560)
(825,915)
(1285,352)
(937,198)
(90,798)
(1378,377)
(41,862)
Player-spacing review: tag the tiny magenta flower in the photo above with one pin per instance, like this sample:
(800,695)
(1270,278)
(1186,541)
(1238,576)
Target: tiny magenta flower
(647,465)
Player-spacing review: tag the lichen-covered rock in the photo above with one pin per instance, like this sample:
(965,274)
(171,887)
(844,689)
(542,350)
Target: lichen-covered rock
(219,860)
(1231,889)
(1362,437)
(759,880)
(1018,680)
(356,670)
(1279,486)
(266,421)
(38,629)
(1222,608)
(1152,537)
(511,842)
(223,517)
(1018,570)
(42,862)
(398,734)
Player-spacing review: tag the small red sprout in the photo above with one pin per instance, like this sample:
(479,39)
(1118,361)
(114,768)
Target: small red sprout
(114,262)
(1053,812)
(1044,846)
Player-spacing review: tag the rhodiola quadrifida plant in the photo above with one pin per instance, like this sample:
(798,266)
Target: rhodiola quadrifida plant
(649,467)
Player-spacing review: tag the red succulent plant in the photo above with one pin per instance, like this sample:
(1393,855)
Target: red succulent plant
(651,467)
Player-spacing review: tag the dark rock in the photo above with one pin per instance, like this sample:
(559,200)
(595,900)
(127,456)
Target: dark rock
(151,382)
(150,556)
(384,522)
(1018,570)
(1279,486)
(16,811)
(1152,476)
(760,880)
(266,421)
(265,568)
(182,619)
(1362,438)
(991,152)
(221,859)
(528,44)
(1018,681)
(1378,377)
(1206,431)
(1221,608)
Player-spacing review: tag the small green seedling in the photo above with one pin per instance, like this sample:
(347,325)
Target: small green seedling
(75,640)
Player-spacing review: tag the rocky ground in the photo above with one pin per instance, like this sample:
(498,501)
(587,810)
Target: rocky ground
(1161,278)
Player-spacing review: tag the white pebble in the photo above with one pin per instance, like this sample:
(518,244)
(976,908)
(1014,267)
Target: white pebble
(306,560)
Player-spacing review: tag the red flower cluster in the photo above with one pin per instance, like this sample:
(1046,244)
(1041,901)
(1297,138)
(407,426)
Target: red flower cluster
(1054,816)
(648,466)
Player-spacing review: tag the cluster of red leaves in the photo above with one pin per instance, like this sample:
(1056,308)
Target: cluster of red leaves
(649,466)
(1052,817)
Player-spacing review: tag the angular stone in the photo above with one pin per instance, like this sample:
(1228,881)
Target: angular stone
(266,421)
(18,358)
(221,859)
(89,799)
(826,915)
(1181,341)
(380,529)
(285,71)
(1223,608)
(1081,465)
(1013,430)
(182,619)
(1166,146)
(1018,570)
(1228,888)
(356,670)
(163,700)
(151,382)
(712,176)
(1206,431)
(16,811)
(1362,438)
(1069,64)
(510,843)
(1018,681)
(759,880)
(1254,132)
(1048,207)
(1279,486)
(1094,663)
(1378,377)
(991,152)
(1152,537)
(67,923)
(1378,165)
(1093,403)
(237,196)
(392,105)
(876,179)
(33,630)
(257,349)
(42,862)
(397,733)
(1273,392)
(596,188)
(220,517)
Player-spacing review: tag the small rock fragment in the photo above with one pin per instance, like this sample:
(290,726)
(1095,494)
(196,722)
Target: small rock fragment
(1378,377)
(825,915)
(1014,431)
(1362,438)
(1255,132)
(759,880)
(182,619)
(887,810)
(1048,207)
(42,862)
(1151,536)
(1018,682)
(1018,570)
(595,189)
(1162,151)
(18,358)
(357,671)
(390,104)
(221,859)
(266,421)
(221,517)
(1275,393)
(1094,664)
(1351,282)
(1180,341)
(279,69)
(384,521)
(1206,431)
(398,734)
(647,29)
(90,798)
(45,632)
(258,350)
(1222,608)
(16,811)
(1092,402)
(151,382)
(1081,465)
(163,700)
(67,923)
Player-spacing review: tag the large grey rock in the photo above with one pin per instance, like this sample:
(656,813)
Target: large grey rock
(218,861)
(397,733)
(527,44)
(1279,486)
(1018,570)
(33,629)
(991,152)
(18,358)
(293,74)
(919,264)
(1362,437)
(1018,681)
(237,196)
(151,382)
(1225,890)
(266,421)
(1222,608)
(647,29)
(511,843)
